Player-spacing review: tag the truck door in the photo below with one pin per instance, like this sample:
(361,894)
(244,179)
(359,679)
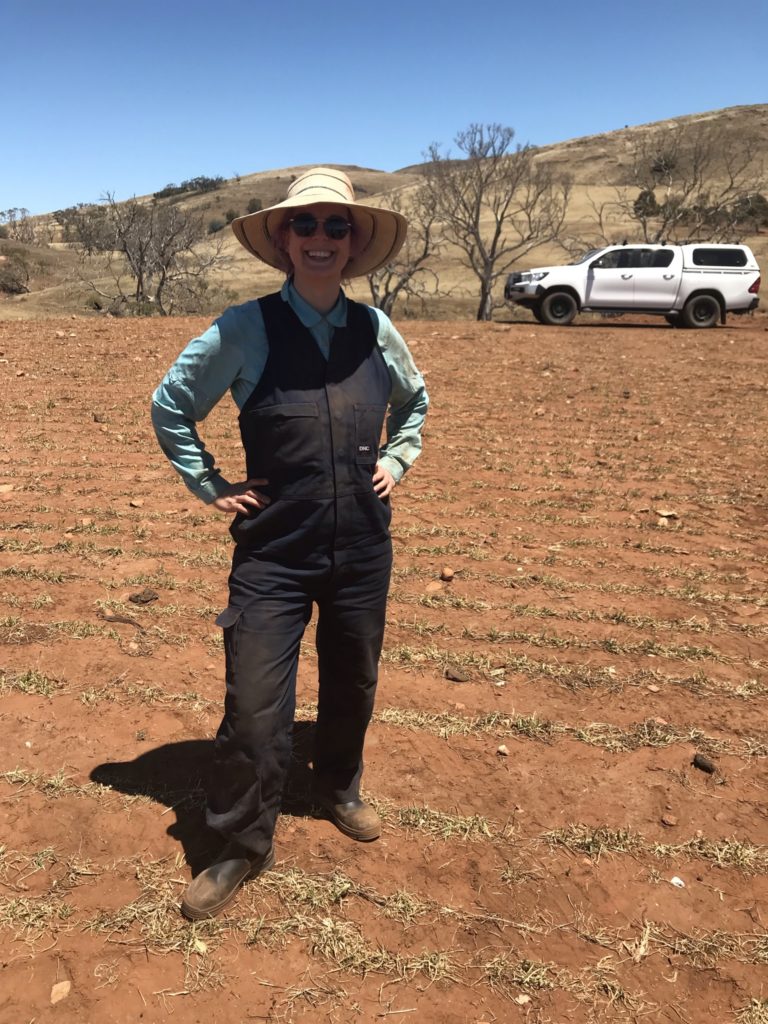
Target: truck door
(611,280)
(657,279)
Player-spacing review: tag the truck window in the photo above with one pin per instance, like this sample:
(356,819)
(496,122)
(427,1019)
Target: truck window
(609,260)
(719,258)
(662,258)
(638,258)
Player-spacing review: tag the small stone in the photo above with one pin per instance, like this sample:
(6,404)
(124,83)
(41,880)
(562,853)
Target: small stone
(433,587)
(660,721)
(522,999)
(133,646)
(456,674)
(447,574)
(145,596)
(458,706)
(666,513)
(99,417)
(669,820)
(60,334)
(87,521)
(136,502)
(704,764)
(503,750)
(210,667)
(60,991)
(6,488)
(653,688)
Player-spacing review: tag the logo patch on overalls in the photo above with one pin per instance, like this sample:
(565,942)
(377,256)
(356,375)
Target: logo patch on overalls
(363,448)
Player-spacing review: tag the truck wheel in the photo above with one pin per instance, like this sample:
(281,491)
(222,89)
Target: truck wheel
(701,311)
(558,309)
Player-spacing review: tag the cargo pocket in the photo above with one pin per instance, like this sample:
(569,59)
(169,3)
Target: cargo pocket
(369,419)
(228,620)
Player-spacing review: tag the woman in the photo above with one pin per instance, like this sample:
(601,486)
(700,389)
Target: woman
(313,375)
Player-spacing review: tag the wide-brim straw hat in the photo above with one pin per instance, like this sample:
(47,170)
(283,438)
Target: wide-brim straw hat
(378,234)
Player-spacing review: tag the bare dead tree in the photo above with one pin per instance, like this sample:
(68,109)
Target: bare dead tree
(409,275)
(20,227)
(700,180)
(162,249)
(495,203)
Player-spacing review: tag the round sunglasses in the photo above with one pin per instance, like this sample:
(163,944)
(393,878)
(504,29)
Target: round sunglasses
(305,225)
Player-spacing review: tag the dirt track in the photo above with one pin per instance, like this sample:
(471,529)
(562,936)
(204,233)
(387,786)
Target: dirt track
(600,494)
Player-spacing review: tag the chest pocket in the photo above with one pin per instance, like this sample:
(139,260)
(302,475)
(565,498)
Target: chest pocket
(369,419)
(284,435)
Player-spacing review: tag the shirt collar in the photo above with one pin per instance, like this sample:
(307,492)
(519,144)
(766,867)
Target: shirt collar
(309,316)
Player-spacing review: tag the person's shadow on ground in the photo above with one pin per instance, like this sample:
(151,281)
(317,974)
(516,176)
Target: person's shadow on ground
(176,774)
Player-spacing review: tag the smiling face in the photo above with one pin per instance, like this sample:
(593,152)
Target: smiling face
(318,258)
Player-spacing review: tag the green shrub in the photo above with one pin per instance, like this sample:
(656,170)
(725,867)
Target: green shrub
(216,225)
(254,205)
(230,215)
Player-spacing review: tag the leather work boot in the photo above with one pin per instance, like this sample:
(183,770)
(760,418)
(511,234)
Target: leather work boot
(355,819)
(215,888)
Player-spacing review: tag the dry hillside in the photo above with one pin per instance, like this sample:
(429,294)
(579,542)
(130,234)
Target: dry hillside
(598,165)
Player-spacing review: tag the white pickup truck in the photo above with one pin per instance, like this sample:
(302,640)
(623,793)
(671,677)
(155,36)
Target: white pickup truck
(692,285)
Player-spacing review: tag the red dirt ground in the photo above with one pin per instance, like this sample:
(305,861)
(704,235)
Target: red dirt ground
(599,493)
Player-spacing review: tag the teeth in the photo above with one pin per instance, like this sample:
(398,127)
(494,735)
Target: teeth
(318,252)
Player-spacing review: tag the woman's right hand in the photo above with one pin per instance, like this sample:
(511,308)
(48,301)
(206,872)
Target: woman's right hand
(242,498)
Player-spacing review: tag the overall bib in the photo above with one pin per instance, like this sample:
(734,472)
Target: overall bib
(311,427)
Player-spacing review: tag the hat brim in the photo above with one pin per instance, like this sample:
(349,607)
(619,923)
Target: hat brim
(379,234)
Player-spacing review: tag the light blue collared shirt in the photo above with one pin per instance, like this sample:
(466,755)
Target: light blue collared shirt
(231,355)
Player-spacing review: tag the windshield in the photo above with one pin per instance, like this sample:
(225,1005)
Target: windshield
(583,259)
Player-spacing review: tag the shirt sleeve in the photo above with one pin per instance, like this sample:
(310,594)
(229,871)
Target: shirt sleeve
(408,400)
(196,382)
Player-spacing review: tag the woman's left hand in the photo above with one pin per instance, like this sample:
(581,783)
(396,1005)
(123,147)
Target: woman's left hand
(383,481)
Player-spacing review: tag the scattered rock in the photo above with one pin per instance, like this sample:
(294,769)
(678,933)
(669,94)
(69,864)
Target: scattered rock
(502,750)
(447,574)
(456,674)
(87,521)
(458,706)
(522,999)
(677,882)
(6,488)
(434,586)
(145,596)
(653,688)
(99,417)
(60,334)
(666,513)
(60,991)
(136,503)
(704,764)
(669,820)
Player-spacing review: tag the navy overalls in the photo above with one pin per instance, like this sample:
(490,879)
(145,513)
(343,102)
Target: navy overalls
(311,427)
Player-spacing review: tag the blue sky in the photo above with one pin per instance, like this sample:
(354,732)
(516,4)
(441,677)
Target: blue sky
(129,97)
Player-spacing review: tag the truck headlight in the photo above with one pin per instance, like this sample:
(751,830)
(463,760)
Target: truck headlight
(539,275)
